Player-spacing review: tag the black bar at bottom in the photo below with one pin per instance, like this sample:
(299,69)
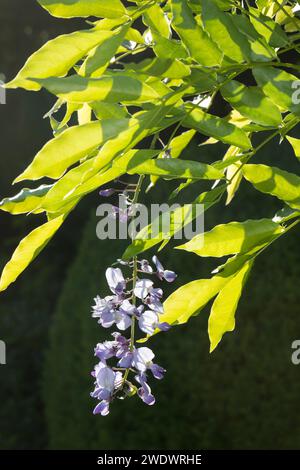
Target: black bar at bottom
(134,459)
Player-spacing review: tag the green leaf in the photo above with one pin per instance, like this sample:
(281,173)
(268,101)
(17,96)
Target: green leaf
(56,58)
(179,217)
(191,298)
(271,180)
(27,200)
(279,86)
(99,58)
(84,8)
(138,128)
(164,68)
(199,44)
(222,316)
(233,173)
(295,143)
(252,103)
(201,81)
(70,146)
(175,148)
(78,178)
(170,168)
(260,50)
(28,250)
(155,18)
(232,238)
(224,32)
(109,89)
(104,110)
(168,48)
(216,127)
(268,29)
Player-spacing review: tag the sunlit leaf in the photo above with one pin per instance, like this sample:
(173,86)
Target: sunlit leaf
(224,32)
(110,89)
(155,18)
(70,146)
(268,28)
(232,238)
(279,86)
(198,42)
(99,58)
(295,143)
(27,200)
(178,218)
(55,58)
(222,316)
(252,103)
(28,250)
(271,180)
(165,68)
(73,8)
(168,48)
(216,127)
(178,169)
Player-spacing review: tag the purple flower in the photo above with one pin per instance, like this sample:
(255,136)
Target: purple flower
(126,361)
(162,273)
(149,321)
(107,382)
(145,267)
(153,300)
(142,361)
(150,295)
(107,192)
(102,408)
(103,305)
(122,344)
(119,310)
(106,350)
(142,288)
(144,392)
(121,213)
(115,280)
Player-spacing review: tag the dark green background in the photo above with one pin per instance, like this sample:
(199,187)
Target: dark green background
(245,395)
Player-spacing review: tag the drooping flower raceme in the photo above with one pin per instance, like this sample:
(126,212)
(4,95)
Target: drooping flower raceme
(122,311)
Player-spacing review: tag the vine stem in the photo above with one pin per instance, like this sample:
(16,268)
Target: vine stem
(135,260)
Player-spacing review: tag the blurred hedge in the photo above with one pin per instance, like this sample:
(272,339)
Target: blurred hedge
(245,395)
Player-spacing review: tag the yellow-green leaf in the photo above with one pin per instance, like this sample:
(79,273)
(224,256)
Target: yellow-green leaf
(156,19)
(112,89)
(295,143)
(27,200)
(271,180)
(279,86)
(224,32)
(70,146)
(216,127)
(252,103)
(28,250)
(55,58)
(268,28)
(170,168)
(200,45)
(99,58)
(222,315)
(84,8)
(232,238)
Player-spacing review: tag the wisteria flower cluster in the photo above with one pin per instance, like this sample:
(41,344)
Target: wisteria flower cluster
(122,310)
